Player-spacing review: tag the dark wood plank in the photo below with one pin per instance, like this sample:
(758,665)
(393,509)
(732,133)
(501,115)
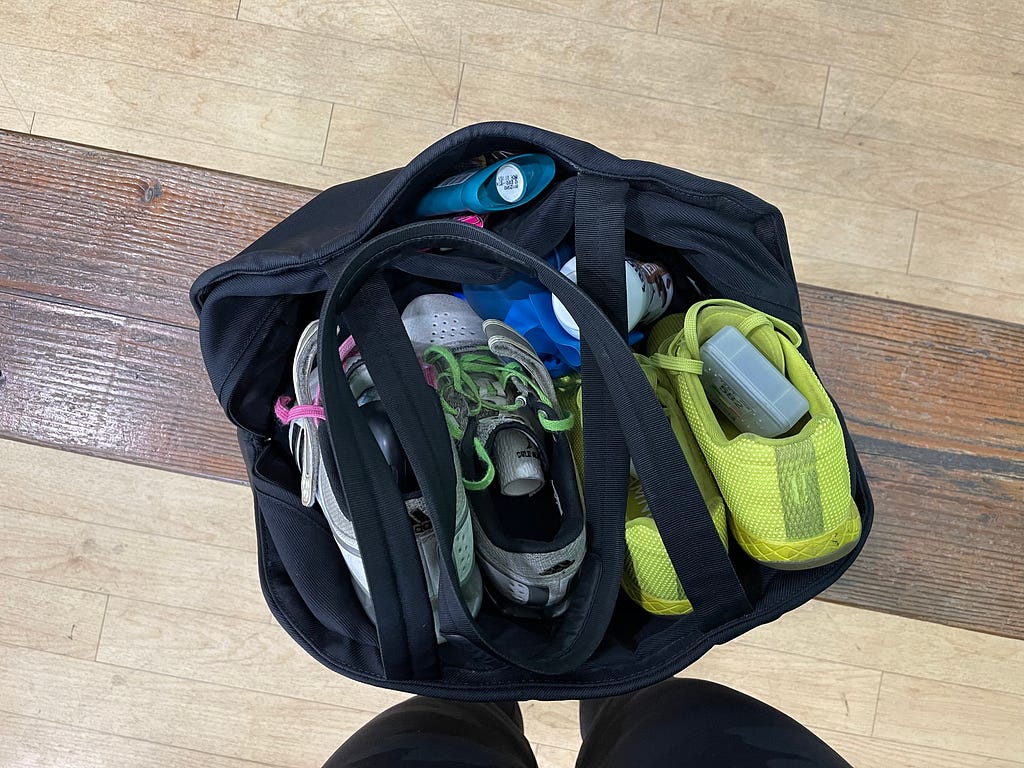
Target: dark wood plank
(111,386)
(100,355)
(83,225)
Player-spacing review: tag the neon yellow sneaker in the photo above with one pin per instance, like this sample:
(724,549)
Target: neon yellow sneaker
(788,497)
(648,576)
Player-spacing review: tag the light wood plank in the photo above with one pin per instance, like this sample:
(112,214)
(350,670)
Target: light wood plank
(830,33)
(186,151)
(552,723)
(130,564)
(434,26)
(228,651)
(865,104)
(575,50)
(225,8)
(369,142)
(12,119)
(1002,202)
(913,289)
(655,66)
(176,105)
(917,711)
(720,144)
(32,743)
(253,55)
(173,711)
(873,752)
(837,229)
(891,643)
(995,253)
(554,757)
(50,618)
(1001,18)
(127,496)
(428,26)
(632,14)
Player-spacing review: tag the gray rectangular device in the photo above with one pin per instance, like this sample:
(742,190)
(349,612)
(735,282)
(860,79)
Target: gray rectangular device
(745,386)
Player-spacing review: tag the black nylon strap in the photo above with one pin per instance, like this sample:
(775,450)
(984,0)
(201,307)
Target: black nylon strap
(405,624)
(669,487)
(600,234)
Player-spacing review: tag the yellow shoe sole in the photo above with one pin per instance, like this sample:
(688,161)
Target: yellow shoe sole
(798,555)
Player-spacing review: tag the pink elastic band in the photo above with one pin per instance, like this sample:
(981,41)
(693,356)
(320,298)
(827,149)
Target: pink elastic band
(286,414)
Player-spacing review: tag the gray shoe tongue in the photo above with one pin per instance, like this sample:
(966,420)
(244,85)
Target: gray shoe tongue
(506,343)
(443,320)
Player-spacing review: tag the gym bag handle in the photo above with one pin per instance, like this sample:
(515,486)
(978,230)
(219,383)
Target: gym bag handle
(408,645)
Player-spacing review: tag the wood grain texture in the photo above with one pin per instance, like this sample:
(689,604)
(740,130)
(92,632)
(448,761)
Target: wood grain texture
(883,107)
(670,69)
(554,757)
(124,563)
(875,752)
(934,399)
(12,119)
(31,742)
(996,253)
(100,396)
(847,232)
(881,641)
(832,33)
(215,719)
(135,498)
(992,17)
(225,8)
(361,140)
(172,222)
(915,711)
(228,651)
(943,294)
(238,55)
(434,25)
(50,618)
(178,105)
(185,151)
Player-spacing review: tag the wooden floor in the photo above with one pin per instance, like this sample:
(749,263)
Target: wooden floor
(132,631)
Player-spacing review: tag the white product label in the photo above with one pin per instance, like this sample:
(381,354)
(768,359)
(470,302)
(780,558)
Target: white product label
(656,284)
(510,183)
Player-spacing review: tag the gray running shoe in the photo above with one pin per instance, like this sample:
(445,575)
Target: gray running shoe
(316,488)
(504,414)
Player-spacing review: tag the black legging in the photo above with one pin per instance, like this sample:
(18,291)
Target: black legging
(678,723)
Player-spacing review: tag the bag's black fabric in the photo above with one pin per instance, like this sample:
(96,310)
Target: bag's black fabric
(353,257)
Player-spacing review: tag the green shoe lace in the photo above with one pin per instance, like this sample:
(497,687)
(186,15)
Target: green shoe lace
(481,381)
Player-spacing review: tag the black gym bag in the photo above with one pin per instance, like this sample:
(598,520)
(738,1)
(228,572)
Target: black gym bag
(354,257)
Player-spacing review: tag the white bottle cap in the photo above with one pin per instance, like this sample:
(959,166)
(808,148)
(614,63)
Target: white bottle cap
(510,182)
(564,318)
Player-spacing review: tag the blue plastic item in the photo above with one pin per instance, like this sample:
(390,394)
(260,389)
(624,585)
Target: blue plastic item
(493,301)
(502,185)
(534,318)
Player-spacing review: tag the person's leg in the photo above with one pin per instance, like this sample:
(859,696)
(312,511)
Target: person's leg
(685,722)
(432,732)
